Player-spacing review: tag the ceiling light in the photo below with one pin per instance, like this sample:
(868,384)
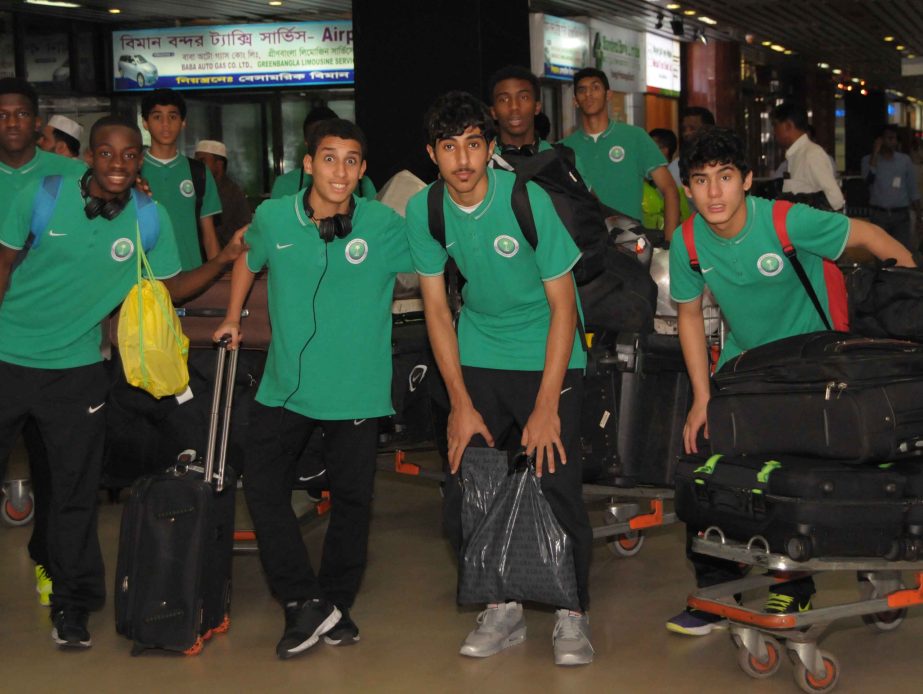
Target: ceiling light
(777,48)
(900,46)
(115,10)
(707,20)
(673,6)
(837,71)
(856,80)
(676,24)
(689,13)
(864,92)
(889,38)
(275,3)
(911,56)
(659,24)
(52,3)
(824,66)
(767,43)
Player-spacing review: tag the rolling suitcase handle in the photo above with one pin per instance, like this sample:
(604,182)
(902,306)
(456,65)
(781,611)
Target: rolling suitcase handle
(226,361)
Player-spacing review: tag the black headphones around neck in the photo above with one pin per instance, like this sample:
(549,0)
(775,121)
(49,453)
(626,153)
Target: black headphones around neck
(528,150)
(98,207)
(336,227)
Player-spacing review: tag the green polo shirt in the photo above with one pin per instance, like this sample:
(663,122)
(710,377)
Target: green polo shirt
(81,270)
(296,180)
(171,185)
(12,181)
(759,293)
(505,318)
(616,164)
(330,308)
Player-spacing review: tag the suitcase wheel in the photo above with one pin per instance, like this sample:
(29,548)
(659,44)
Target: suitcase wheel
(761,669)
(799,548)
(810,683)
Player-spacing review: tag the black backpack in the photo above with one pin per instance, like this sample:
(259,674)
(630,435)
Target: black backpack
(616,292)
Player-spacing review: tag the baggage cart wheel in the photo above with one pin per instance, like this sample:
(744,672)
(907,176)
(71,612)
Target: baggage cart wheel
(809,683)
(18,513)
(627,545)
(761,669)
(880,621)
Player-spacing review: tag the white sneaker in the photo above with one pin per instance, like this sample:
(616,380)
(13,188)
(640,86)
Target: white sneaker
(572,639)
(499,626)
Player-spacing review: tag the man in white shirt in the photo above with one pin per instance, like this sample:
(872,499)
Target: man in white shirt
(809,168)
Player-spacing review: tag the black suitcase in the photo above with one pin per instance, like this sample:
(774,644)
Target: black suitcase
(803,507)
(823,394)
(635,399)
(173,576)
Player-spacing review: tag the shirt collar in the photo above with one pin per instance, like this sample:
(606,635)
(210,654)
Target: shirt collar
(25,168)
(485,203)
(797,146)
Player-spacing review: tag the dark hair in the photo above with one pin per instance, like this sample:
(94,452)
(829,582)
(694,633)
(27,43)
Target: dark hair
(15,85)
(542,125)
(706,116)
(513,72)
(583,73)
(316,115)
(336,127)
(453,113)
(113,121)
(665,137)
(73,144)
(713,146)
(889,127)
(162,97)
(791,112)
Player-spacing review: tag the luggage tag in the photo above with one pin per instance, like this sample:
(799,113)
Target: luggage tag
(896,182)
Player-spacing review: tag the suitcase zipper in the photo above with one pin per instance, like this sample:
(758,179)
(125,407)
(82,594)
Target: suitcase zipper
(838,386)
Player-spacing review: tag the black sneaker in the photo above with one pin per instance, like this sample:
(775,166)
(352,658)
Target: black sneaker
(305,623)
(344,633)
(70,627)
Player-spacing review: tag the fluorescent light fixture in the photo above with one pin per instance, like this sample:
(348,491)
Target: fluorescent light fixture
(824,66)
(837,71)
(275,3)
(789,51)
(889,39)
(707,20)
(673,6)
(900,46)
(766,43)
(689,13)
(777,48)
(115,10)
(52,3)
(856,80)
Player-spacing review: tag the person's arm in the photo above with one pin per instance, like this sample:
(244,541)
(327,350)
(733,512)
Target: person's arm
(542,433)
(191,282)
(7,257)
(664,182)
(464,420)
(209,237)
(241,282)
(869,170)
(824,177)
(878,242)
(691,324)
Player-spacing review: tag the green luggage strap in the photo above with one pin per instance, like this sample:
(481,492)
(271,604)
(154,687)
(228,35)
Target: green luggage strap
(763,475)
(708,468)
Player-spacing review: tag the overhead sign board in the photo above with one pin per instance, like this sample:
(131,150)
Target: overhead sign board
(560,47)
(662,71)
(619,53)
(228,56)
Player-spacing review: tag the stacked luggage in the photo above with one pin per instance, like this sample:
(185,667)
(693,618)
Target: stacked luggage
(818,443)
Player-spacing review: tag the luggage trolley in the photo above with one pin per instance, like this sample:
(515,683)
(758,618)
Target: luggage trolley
(758,636)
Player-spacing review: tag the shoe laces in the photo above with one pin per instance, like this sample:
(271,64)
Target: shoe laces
(568,625)
(491,618)
(778,602)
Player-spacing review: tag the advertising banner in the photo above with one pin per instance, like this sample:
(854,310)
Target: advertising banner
(618,52)
(283,54)
(560,46)
(662,67)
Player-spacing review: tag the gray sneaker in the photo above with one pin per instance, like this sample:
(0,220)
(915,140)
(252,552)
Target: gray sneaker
(499,627)
(572,639)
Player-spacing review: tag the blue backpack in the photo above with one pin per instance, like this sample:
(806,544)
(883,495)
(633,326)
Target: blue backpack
(46,197)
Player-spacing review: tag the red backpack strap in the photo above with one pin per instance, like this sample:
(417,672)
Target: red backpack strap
(689,241)
(780,210)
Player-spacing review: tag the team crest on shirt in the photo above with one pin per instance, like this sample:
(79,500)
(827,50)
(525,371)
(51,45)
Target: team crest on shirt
(357,250)
(122,249)
(769,264)
(506,246)
(616,154)
(186,188)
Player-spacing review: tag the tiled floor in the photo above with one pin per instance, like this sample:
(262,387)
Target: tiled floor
(411,628)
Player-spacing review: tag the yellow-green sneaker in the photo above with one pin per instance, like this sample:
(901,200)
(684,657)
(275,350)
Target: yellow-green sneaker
(42,585)
(780,603)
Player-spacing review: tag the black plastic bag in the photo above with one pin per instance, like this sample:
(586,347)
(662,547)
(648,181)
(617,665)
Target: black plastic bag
(514,547)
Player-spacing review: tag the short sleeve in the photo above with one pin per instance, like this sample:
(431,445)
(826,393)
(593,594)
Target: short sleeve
(815,231)
(255,239)
(556,253)
(428,255)
(164,256)
(650,156)
(14,223)
(685,283)
(211,203)
(393,237)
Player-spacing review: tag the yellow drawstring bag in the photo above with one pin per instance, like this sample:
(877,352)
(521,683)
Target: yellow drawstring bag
(152,345)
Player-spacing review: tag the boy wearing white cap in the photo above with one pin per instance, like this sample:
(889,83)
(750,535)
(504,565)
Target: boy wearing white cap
(62,136)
